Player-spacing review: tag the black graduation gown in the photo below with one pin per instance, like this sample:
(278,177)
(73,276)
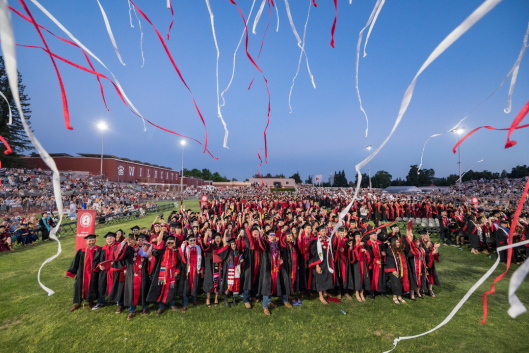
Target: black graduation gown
(79,268)
(325,280)
(473,235)
(290,254)
(211,267)
(113,290)
(137,280)
(360,268)
(184,284)
(394,264)
(342,265)
(252,258)
(224,254)
(266,275)
(156,285)
(377,271)
(430,265)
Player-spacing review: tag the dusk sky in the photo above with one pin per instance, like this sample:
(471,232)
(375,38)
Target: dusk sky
(326,130)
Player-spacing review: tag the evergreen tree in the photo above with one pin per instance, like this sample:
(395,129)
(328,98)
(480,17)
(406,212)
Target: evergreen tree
(14,134)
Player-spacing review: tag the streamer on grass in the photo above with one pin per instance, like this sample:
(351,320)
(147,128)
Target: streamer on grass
(301,45)
(517,278)
(109,30)
(51,17)
(373,13)
(225,144)
(8,49)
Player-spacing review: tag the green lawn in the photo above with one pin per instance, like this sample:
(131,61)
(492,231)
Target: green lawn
(30,321)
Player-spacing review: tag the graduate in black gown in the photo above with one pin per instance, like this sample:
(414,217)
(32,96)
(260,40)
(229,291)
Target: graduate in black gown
(361,261)
(396,268)
(273,278)
(290,253)
(213,273)
(192,270)
(84,269)
(378,277)
(139,263)
(474,233)
(249,245)
(232,260)
(431,253)
(321,262)
(342,264)
(109,277)
(165,274)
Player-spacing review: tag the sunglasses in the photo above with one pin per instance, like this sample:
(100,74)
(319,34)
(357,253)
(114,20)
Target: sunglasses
(170,243)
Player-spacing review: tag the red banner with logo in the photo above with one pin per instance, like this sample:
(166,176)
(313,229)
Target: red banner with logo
(203,201)
(475,201)
(86,224)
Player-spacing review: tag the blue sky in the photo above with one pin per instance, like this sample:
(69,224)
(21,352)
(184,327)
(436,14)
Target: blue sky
(326,130)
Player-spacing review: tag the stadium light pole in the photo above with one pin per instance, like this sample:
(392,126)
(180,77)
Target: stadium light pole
(102,126)
(183,143)
(459,132)
(369,149)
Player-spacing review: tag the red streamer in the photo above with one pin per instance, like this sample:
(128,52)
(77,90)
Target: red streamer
(172,13)
(63,92)
(8,149)
(515,123)
(117,90)
(72,43)
(334,24)
(266,82)
(314,3)
(177,70)
(509,251)
(262,41)
(260,163)
(485,127)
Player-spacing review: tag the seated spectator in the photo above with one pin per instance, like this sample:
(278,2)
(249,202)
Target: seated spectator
(24,236)
(5,239)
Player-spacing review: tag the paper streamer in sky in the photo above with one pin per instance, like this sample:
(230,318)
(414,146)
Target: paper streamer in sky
(515,124)
(517,278)
(51,17)
(266,82)
(301,44)
(515,72)
(262,41)
(177,70)
(378,5)
(334,23)
(109,30)
(8,49)
(141,38)
(225,144)
(235,55)
(69,42)
(117,90)
(465,298)
(63,92)
(462,175)
(130,15)
(515,67)
(8,107)
(258,16)
(512,230)
(372,25)
(170,6)
(277,14)
(482,127)
(260,163)
(481,11)
(8,148)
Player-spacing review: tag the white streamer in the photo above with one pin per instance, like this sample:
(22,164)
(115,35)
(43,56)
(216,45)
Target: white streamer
(225,145)
(8,107)
(517,278)
(373,13)
(462,175)
(51,17)
(235,54)
(372,24)
(515,71)
(168,4)
(109,30)
(258,16)
(481,11)
(465,298)
(130,15)
(141,40)
(277,13)
(302,48)
(8,49)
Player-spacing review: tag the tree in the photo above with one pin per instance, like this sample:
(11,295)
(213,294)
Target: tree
(365,180)
(519,171)
(398,182)
(309,180)
(206,174)
(504,174)
(423,177)
(381,179)
(14,134)
(296,178)
(234,179)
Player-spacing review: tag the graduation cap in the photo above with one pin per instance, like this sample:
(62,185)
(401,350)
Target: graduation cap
(191,236)
(110,234)
(172,224)
(195,226)
(132,236)
(141,236)
(232,240)
(255,227)
(394,226)
(504,221)
(119,230)
(170,238)
(423,232)
(134,228)
(90,236)
(217,235)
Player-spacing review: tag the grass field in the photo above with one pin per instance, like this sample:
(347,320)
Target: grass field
(30,321)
